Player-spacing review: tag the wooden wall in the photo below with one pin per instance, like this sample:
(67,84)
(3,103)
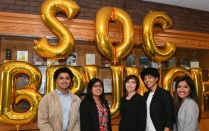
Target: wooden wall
(14,35)
(183,18)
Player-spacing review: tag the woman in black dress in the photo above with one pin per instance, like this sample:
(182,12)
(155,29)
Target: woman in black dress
(133,107)
(94,109)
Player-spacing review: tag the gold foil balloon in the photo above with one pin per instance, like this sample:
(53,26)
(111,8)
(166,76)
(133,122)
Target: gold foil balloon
(103,16)
(78,80)
(117,85)
(197,78)
(152,51)
(170,76)
(10,96)
(91,71)
(206,87)
(66,40)
(205,92)
(132,71)
(135,71)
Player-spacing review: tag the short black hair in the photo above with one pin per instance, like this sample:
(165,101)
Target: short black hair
(63,70)
(151,72)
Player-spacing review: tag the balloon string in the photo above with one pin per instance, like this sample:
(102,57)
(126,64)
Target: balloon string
(51,63)
(159,66)
(18,127)
(133,52)
(160,72)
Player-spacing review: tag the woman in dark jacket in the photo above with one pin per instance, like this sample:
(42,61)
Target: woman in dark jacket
(133,107)
(160,113)
(94,109)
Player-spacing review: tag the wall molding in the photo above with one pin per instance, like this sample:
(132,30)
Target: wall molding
(29,25)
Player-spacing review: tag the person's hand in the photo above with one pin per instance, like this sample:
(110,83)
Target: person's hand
(167,129)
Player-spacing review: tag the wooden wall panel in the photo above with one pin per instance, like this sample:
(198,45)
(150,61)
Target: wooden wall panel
(17,31)
(32,26)
(19,43)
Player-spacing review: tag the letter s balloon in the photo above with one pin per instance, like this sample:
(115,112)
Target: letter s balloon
(66,40)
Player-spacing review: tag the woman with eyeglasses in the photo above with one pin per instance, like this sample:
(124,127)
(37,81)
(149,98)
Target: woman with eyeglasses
(94,109)
(133,107)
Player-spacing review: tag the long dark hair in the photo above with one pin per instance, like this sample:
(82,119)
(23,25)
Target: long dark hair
(192,94)
(89,90)
(127,79)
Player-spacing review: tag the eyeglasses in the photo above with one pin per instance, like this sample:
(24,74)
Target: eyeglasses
(97,86)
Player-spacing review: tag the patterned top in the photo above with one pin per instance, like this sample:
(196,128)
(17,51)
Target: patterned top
(103,117)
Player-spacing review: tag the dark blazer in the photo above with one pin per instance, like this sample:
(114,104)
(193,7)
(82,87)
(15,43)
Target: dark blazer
(161,109)
(133,114)
(89,119)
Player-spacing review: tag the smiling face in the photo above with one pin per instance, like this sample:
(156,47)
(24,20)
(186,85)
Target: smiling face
(97,89)
(151,82)
(183,89)
(63,82)
(130,85)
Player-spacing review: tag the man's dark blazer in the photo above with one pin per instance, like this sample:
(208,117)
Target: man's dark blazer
(161,109)
(89,119)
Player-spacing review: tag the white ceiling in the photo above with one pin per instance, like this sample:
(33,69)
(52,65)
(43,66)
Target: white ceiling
(193,4)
